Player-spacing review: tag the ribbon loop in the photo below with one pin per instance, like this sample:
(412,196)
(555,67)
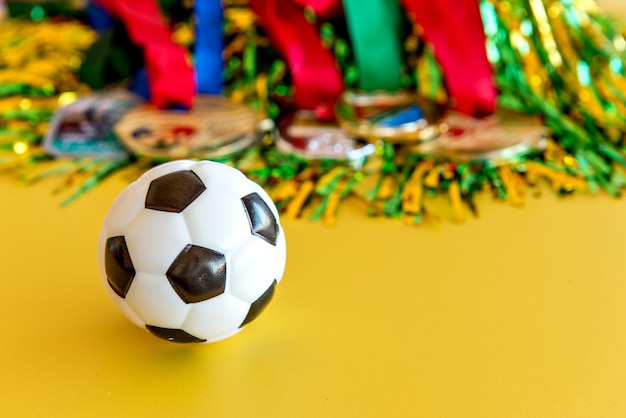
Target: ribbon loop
(454,28)
(374,27)
(316,78)
(170,76)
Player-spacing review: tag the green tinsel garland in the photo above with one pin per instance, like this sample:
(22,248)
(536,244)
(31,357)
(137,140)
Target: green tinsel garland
(561,60)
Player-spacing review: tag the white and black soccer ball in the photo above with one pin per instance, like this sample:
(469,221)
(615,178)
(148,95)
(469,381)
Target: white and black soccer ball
(192,251)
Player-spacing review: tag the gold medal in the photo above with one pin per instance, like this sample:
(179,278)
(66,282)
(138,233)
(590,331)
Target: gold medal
(215,128)
(504,135)
(303,135)
(395,117)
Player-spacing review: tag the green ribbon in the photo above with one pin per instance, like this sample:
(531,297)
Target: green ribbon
(374,27)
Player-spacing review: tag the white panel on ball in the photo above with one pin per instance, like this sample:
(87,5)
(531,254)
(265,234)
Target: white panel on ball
(154,240)
(217,318)
(252,269)
(217,220)
(125,208)
(154,300)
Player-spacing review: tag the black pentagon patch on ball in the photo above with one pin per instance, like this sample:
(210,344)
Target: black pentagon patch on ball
(175,191)
(259,305)
(198,274)
(173,335)
(118,265)
(262,221)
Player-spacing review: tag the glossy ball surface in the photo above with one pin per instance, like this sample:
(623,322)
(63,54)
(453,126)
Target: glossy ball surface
(192,251)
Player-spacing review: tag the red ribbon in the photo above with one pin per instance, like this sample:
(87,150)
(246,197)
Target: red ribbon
(455,30)
(453,27)
(322,8)
(317,80)
(170,76)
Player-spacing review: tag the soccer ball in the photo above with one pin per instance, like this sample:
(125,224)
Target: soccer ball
(192,251)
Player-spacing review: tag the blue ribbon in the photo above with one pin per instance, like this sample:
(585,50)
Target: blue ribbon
(403,116)
(209,45)
(139,84)
(98,18)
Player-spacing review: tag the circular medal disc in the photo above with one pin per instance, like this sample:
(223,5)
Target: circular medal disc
(214,128)
(85,127)
(303,135)
(395,117)
(504,135)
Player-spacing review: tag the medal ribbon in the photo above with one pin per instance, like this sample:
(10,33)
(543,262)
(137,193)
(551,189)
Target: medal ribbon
(374,27)
(316,78)
(322,8)
(455,29)
(208,46)
(170,77)
(98,18)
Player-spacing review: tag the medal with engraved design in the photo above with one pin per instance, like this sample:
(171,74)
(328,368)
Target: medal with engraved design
(403,118)
(505,135)
(302,134)
(396,117)
(214,128)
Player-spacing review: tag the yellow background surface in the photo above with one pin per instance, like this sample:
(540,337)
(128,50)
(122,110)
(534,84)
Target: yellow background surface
(521,313)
